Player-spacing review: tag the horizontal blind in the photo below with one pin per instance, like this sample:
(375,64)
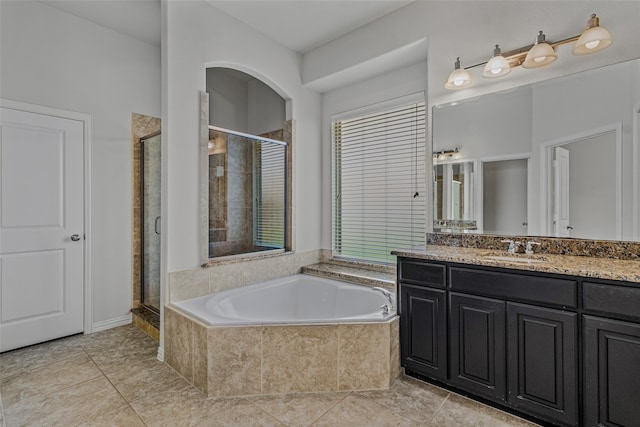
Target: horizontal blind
(378,183)
(270,162)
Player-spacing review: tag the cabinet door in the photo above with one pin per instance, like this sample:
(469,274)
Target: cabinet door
(611,373)
(541,344)
(477,334)
(423,331)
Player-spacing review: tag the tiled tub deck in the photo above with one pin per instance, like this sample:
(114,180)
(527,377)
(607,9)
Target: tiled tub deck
(279,359)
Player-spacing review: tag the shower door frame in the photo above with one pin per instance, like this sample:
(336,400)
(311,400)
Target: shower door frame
(143,302)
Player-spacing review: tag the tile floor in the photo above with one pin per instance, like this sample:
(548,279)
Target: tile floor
(112,378)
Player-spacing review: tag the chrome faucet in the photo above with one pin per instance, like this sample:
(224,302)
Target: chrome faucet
(529,249)
(513,246)
(386,308)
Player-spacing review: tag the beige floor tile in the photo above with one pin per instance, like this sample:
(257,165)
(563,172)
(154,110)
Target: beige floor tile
(142,382)
(358,411)
(72,406)
(460,411)
(34,357)
(298,409)
(118,338)
(237,413)
(117,363)
(48,379)
(124,417)
(2,422)
(182,405)
(410,398)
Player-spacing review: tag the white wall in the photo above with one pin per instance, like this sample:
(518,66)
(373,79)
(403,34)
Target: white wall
(197,36)
(404,81)
(55,59)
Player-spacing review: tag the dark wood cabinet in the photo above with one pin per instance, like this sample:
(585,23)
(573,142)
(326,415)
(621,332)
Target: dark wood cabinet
(542,362)
(612,372)
(423,330)
(563,349)
(477,355)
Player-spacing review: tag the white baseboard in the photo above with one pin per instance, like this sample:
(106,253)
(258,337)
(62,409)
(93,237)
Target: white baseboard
(161,354)
(112,323)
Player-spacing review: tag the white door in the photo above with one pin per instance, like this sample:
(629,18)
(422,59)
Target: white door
(41,228)
(561,192)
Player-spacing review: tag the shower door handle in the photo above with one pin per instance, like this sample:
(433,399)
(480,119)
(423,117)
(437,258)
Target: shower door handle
(156,227)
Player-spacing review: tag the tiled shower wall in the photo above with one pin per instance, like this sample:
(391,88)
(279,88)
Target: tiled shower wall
(231,198)
(141,125)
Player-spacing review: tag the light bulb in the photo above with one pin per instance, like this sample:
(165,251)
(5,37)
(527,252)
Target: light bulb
(592,45)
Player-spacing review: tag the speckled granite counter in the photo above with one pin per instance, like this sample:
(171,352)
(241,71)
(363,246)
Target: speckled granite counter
(360,275)
(601,268)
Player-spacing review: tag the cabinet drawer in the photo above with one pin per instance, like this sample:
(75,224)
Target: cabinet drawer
(614,299)
(422,273)
(544,290)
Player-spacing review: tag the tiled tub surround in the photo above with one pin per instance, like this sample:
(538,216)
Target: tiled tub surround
(257,360)
(279,359)
(233,272)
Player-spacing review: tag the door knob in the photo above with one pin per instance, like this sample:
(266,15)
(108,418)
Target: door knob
(75,237)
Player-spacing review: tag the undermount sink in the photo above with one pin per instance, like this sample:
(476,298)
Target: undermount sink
(516,259)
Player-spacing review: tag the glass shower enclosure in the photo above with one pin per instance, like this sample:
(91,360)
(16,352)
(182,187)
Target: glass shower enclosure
(150,165)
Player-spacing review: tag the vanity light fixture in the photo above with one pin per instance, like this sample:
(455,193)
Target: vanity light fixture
(541,54)
(593,39)
(497,65)
(459,77)
(444,155)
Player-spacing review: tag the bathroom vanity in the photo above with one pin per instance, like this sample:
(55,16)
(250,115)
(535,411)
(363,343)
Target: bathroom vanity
(555,337)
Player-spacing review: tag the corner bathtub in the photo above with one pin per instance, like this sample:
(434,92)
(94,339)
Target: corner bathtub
(298,333)
(291,300)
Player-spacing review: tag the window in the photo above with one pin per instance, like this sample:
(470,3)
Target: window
(378,182)
(269,191)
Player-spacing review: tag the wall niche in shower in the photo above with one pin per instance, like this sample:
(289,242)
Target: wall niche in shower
(248,166)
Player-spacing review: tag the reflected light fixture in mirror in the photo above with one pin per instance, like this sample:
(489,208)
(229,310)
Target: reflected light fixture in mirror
(444,155)
(497,66)
(459,77)
(593,39)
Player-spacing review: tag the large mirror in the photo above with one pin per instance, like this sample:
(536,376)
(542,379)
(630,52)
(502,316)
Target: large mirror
(554,158)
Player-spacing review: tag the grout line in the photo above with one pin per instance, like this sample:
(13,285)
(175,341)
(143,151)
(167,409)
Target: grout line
(339,401)
(439,407)
(3,416)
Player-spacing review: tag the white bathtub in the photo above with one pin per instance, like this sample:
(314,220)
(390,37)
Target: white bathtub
(291,300)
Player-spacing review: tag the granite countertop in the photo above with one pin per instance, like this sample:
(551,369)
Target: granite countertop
(584,266)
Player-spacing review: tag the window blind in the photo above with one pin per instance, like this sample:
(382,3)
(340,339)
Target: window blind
(379,183)
(269,191)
